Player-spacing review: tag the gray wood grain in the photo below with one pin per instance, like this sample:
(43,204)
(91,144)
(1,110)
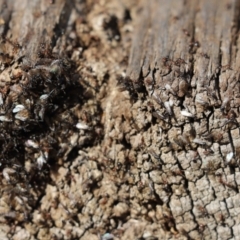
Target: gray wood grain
(31,23)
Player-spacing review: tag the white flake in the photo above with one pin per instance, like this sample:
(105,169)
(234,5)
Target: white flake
(18,108)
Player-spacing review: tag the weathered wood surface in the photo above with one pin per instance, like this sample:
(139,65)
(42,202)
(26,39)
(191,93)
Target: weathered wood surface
(35,22)
(185,53)
(162,165)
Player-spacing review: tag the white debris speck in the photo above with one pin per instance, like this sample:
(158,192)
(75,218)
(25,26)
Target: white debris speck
(168,105)
(82,126)
(171,102)
(187,114)
(5,119)
(6,172)
(18,108)
(199,141)
(1,99)
(40,161)
(31,143)
(44,96)
(107,236)
(229,157)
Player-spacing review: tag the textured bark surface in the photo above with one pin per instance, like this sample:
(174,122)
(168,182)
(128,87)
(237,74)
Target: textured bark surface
(185,54)
(150,147)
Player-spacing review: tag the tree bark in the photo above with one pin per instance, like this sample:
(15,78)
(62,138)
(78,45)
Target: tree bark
(35,22)
(185,55)
(160,161)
